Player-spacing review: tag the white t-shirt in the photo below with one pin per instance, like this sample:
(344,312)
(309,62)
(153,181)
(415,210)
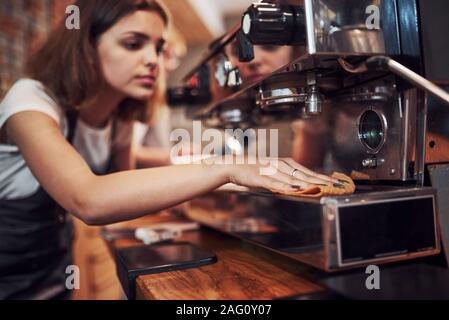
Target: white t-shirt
(94,145)
(156,136)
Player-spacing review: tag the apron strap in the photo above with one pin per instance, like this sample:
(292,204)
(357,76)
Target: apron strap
(72,118)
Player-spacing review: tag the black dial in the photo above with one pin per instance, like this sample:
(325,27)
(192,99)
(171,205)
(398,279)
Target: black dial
(266,23)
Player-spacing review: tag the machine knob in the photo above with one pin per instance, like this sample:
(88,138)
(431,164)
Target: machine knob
(314,99)
(372,162)
(314,102)
(272,24)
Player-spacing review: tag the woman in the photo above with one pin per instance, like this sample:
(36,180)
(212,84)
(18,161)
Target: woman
(60,128)
(152,139)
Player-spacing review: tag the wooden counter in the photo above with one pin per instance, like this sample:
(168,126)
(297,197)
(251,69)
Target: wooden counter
(241,273)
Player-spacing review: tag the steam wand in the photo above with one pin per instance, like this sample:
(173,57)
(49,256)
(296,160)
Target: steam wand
(382,63)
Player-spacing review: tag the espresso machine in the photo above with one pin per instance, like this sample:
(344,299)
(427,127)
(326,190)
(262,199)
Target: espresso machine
(357,75)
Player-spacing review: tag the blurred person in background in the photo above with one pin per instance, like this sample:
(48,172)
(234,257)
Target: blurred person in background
(267,59)
(308,134)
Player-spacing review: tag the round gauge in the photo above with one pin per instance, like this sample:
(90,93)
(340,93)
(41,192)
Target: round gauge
(372,131)
(222,70)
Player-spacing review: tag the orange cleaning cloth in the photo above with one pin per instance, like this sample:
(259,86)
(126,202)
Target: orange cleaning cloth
(316,191)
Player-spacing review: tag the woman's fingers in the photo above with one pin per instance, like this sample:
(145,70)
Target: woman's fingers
(274,184)
(280,176)
(300,176)
(309,172)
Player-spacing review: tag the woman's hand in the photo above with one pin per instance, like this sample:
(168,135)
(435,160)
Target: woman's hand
(284,175)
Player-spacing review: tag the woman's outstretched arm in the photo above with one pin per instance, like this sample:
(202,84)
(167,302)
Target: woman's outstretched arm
(98,200)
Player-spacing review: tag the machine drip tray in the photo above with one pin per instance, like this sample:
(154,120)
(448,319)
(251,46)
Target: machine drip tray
(377,224)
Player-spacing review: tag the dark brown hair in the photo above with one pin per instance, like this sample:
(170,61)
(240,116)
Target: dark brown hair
(67,63)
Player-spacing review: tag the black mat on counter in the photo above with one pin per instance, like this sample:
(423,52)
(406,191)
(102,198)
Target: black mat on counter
(407,282)
(165,257)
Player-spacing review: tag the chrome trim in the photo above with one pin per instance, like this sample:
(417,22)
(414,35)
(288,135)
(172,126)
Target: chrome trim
(311,45)
(404,101)
(421,147)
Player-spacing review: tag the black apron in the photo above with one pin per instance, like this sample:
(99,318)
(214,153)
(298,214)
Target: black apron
(35,245)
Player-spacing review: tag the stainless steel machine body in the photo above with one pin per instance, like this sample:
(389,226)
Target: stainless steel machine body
(367,118)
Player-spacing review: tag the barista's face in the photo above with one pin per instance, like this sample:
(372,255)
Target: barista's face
(267,59)
(130,54)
